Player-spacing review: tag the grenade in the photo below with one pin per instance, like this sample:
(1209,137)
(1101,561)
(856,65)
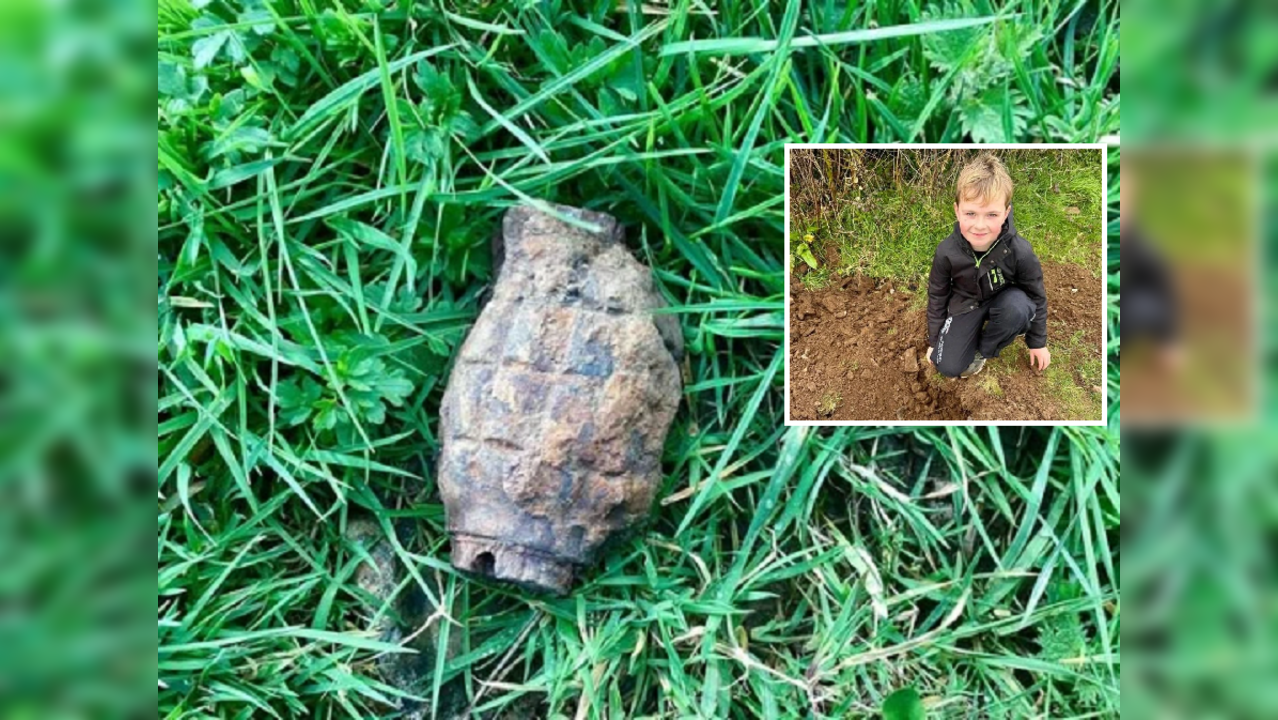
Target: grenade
(557,409)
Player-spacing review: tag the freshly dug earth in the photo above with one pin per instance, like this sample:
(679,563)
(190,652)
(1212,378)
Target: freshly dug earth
(1217,374)
(858,349)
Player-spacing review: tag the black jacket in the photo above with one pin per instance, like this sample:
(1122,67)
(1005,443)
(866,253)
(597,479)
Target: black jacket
(958,286)
(1148,289)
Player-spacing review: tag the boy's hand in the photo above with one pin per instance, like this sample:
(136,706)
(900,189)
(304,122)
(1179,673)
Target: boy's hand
(1040,358)
(929,355)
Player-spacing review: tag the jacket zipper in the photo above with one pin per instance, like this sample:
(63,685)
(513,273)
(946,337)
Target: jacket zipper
(984,255)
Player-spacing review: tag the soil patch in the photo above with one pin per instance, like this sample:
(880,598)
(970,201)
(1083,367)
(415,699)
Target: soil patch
(858,349)
(1217,372)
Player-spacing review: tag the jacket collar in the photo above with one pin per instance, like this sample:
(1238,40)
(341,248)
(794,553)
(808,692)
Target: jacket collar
(1009,230)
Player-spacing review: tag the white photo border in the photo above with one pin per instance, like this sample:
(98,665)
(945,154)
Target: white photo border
(1102,421)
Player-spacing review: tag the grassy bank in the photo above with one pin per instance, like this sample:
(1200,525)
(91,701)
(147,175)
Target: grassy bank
(889,209)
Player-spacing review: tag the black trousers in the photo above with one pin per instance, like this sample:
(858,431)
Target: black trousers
(1146,314)
(1009,314)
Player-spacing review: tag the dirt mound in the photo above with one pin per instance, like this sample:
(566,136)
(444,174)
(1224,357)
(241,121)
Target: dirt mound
(858,349)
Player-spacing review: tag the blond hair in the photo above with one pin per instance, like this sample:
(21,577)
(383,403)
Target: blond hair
(985,178)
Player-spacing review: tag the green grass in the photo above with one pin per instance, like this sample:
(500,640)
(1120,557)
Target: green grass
(887,231)
(989,383)
(1067,382)
(829,403)
(329,180)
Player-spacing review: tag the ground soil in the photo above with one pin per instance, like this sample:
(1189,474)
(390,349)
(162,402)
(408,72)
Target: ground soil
(851,346)
(1216,373)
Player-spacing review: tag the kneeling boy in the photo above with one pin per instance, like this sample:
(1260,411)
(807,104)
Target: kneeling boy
(986,286)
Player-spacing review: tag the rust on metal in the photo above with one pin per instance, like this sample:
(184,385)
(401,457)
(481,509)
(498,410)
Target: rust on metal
(558,406)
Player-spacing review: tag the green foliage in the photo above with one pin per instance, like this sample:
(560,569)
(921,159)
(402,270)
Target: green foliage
(994,115)
(895,230)
(368,382)
(904,704)
(803,250)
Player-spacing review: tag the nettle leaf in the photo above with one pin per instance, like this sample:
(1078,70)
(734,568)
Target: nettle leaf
(953,48)
(979,56)
(908,96)
(982,115)
(1015,39)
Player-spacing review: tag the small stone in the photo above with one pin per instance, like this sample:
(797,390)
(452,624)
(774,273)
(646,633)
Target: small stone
(1097,389)
(910,361)
(841,314)
(1072,210)
(920,396)
(382,576)
(916,387)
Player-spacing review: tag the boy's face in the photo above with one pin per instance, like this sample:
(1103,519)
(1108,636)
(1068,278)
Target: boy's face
(980,221)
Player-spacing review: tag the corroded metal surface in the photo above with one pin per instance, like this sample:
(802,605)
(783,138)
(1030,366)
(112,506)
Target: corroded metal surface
(557,409)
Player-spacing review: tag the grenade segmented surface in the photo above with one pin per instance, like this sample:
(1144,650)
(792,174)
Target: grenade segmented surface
(558,406)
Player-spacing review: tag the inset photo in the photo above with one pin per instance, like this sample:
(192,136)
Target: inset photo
(946,284)
(1191,253)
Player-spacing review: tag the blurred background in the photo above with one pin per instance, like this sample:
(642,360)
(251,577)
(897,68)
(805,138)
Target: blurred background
(1190,246)
(1200,420)
(77,380)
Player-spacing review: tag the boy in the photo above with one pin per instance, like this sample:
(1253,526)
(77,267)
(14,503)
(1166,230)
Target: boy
(1148,305)
(984,273)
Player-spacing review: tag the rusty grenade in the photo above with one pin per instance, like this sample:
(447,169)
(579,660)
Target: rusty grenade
(558,406)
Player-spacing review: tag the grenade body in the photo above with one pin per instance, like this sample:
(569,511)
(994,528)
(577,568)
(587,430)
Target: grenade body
(557,408)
